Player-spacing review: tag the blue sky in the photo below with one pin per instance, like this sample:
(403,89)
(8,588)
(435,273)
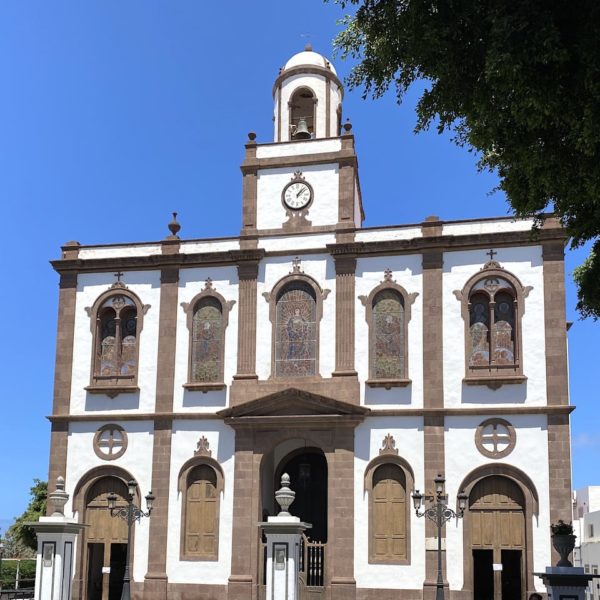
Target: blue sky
(115,113)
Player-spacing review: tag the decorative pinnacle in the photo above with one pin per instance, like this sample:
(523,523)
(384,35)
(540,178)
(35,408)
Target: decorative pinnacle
(308,47)
(387,275)
(285,496)
(347,127)
(296,265)
(58,498)
(251,136)
(174,227)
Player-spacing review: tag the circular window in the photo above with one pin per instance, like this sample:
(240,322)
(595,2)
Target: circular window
(495,438)
(110,442)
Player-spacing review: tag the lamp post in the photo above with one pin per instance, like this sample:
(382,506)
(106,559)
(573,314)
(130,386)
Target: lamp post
(129,514)
(439,513)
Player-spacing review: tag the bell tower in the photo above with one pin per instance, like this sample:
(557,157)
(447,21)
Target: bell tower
(306,180)
(308,99)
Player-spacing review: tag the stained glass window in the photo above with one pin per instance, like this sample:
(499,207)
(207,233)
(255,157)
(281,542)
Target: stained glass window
(117,338)
(207,340)
(387,331)
(492,323)
(296,331)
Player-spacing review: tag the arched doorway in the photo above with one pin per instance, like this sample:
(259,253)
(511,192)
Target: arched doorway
(497,539)
(106,541)
(307,468)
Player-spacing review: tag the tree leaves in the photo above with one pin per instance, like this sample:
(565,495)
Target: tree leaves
(519,82)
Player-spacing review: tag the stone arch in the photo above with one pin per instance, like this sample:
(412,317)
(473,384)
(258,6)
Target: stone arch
(531,509)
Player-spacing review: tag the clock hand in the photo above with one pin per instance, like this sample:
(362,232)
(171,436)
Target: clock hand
(298,194)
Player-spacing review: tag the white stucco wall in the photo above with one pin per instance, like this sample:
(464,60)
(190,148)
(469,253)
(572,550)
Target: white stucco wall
(146,285)
(137,460)
(183,444)
(201,246)
(324,208)
(489,226)
(192,282)
(271,270)
(388,234)
(408,434)
(316,146)
(407,272)
(297,242)
(526,264)
(119,251)
(530,455)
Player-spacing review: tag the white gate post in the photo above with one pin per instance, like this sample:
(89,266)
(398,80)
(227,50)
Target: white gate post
(56,536)
(283,534)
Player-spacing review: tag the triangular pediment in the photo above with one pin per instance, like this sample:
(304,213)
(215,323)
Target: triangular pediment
(294,402)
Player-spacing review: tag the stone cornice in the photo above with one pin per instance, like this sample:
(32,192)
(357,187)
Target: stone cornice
(345,156)
(374,412)
(443,243)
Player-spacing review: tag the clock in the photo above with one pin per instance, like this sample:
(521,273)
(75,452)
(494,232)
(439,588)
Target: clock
(297,194)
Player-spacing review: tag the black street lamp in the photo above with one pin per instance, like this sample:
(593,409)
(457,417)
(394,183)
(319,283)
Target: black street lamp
(129,514)
(439,513)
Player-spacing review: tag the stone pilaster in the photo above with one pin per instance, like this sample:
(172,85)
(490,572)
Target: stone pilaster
(247,273)
(345,268)
(63,369)
(433,396)
(155,581)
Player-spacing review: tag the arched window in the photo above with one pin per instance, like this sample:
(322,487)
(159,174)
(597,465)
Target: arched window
(492,309)
(388,356)
(302,107)
(207,341)
(201,486)
(208,314)
(388,481)
(201,513)
(387,314)
(296,331)
(116,324)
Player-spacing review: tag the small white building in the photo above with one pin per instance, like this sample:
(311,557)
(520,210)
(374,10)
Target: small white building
(587,529)
(361,361)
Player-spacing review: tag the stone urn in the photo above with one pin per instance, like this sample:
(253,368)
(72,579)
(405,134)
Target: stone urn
(285,496)
(564,545)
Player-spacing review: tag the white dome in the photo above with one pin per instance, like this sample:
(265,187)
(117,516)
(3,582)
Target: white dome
(309,58)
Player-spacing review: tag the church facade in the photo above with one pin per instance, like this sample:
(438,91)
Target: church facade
(363,362)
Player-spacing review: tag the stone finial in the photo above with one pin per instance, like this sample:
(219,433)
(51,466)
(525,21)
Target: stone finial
(174,227)
(296,265)
(285,496)
(252,136)
(347,126)
(58,498)
(308,47)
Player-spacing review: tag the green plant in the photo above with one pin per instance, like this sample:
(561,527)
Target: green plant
(562,528)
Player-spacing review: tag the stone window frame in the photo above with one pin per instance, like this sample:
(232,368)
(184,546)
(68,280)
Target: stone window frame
(491,453)
(494,376)
(123,384)
(96,445)
(189,308)
(367,301)
(272,297)
(182,488)
(389,458)
(315,101)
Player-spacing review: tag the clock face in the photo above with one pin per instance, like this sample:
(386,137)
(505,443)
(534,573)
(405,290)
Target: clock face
(297,195)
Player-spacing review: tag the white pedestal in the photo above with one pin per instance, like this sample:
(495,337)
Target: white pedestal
(283,556)
(55,557)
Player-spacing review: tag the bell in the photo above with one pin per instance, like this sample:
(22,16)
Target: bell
(302,132)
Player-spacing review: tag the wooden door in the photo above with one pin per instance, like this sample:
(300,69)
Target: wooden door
(201,513)
(389,513)
(104,531)
(496,512)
